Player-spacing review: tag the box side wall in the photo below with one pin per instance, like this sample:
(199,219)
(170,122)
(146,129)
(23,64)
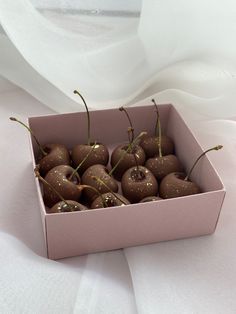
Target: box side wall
(114,228)
(42,208)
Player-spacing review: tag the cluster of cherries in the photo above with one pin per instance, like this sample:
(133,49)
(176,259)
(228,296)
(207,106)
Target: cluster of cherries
(145,169)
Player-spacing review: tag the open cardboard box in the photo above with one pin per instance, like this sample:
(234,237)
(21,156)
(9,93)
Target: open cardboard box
(77,233)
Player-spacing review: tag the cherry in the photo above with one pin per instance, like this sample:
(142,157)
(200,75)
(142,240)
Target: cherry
(138,182)
(59,178)
(178,184)
(110,199)
(101,172)
(150,143)
(133,156)
(69,206)
(128,160)
(57,154)
(51,155)
(161,165)
(63,205)
(100,155)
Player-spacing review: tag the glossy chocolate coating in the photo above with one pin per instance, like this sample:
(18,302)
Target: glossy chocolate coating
(150,145)
(100,155)
(62,207)
(110,201)
(162,166)
(138,183)
(128,161)
(174,185)
(101,172)
(58,178)
(150,199)
(57,154)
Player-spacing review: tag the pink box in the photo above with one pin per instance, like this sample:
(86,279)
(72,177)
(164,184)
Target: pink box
(77,233)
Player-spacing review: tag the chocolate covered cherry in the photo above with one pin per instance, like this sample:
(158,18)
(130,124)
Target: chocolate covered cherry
(150,144)
(137,183)
(128,155)
(100,155)
(79,152)
(101,172)
(66,206)
(51,155)
(175,185)
(63,205)
(57,154)
(109,200)
(131,158)
(178,184)
(162,166)
(59,178)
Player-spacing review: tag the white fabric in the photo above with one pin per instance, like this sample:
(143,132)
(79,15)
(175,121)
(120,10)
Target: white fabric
(118,63)
(192,44)
(68,60)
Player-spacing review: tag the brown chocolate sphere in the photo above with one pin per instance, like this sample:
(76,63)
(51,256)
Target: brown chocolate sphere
(58,177)
(99,155)
(62,207)
(57,154)
(162,166)
(175,185)
(128,160)
(101,172)
(109,200)
(138,183)
(150,145)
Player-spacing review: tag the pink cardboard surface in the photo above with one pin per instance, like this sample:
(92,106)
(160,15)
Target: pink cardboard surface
(77,233)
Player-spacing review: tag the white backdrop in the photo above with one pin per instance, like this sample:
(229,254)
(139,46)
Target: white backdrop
(186,53)
(111,63)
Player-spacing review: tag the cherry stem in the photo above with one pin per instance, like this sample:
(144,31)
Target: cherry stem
(158,126)
(129,131)
(218,147)
(37,175)
(88,116)
(103,183)
(32,133)
(136,161)
(85,186)
(130,146)
(81,163)
(130,122)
